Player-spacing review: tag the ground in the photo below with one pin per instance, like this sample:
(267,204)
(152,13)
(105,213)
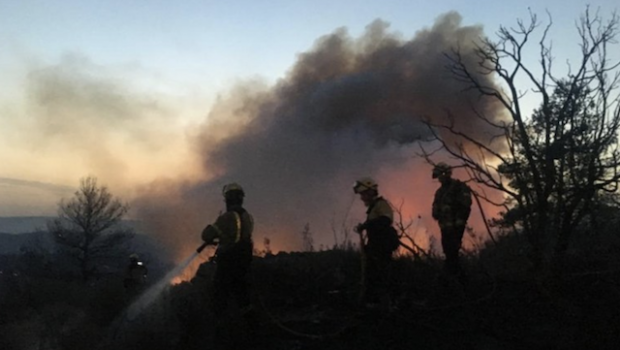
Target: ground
(309,301)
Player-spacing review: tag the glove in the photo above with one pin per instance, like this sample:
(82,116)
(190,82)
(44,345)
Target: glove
(359,228)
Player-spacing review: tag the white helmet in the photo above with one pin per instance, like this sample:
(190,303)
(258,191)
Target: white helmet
(364,184)
(233,186)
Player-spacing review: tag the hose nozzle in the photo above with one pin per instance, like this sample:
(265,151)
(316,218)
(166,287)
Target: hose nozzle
(201,248)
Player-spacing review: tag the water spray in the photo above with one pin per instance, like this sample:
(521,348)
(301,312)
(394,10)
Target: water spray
(148,297)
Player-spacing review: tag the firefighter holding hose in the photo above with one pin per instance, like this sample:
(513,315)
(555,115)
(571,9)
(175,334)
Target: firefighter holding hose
(381,242)
(232,232)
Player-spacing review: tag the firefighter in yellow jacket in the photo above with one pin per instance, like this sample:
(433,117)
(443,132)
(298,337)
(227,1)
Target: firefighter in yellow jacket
(451,209)
(232,232)
(381,242)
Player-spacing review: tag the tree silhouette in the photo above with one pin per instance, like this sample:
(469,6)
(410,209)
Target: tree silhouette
(88,229)
(307,239)
(557,162)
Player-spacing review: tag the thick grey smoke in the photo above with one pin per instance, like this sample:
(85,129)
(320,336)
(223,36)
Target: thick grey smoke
(348,108)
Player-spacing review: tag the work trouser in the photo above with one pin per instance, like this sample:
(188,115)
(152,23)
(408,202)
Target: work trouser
(377,275)
(231,279)
(133,288)
(451,237)
(231,283)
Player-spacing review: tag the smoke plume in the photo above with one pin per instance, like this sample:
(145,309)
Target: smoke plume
(78,117)
(348,108)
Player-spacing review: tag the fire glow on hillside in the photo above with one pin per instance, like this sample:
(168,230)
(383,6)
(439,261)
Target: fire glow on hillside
(348,108)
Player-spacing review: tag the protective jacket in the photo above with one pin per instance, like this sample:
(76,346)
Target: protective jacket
(233,227)
(452,204)
(135,274)
(378,225)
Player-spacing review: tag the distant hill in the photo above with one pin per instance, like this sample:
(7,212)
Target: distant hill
(27,224)
(23,224)
(154,254)
(31,232)
(12,243)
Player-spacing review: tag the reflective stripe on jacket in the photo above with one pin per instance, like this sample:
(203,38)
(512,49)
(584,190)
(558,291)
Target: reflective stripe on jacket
(229,228)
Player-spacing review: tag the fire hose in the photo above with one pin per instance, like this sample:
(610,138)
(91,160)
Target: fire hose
(363,267)
(287,329)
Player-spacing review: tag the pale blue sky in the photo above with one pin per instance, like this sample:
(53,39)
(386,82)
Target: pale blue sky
(188,52)
(211,42)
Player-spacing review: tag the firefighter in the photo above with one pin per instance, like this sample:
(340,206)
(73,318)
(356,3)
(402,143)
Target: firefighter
(232,232)
(135,275)
(451,208)
(381,241)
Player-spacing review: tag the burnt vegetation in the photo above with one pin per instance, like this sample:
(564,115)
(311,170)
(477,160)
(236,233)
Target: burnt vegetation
(548,277)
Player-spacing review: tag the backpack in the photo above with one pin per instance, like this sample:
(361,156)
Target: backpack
(386,237)
(392,239)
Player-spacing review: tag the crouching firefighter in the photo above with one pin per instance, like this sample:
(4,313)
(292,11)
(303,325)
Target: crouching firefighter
(381,242)
(232,232)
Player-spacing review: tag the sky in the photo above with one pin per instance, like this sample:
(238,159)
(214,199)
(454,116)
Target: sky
(166,101)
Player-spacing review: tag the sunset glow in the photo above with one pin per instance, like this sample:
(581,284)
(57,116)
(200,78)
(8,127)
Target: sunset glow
(165,123)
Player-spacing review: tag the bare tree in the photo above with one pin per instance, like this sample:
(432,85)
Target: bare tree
(88,228)
(406,233)
(556,162)
(307,239)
